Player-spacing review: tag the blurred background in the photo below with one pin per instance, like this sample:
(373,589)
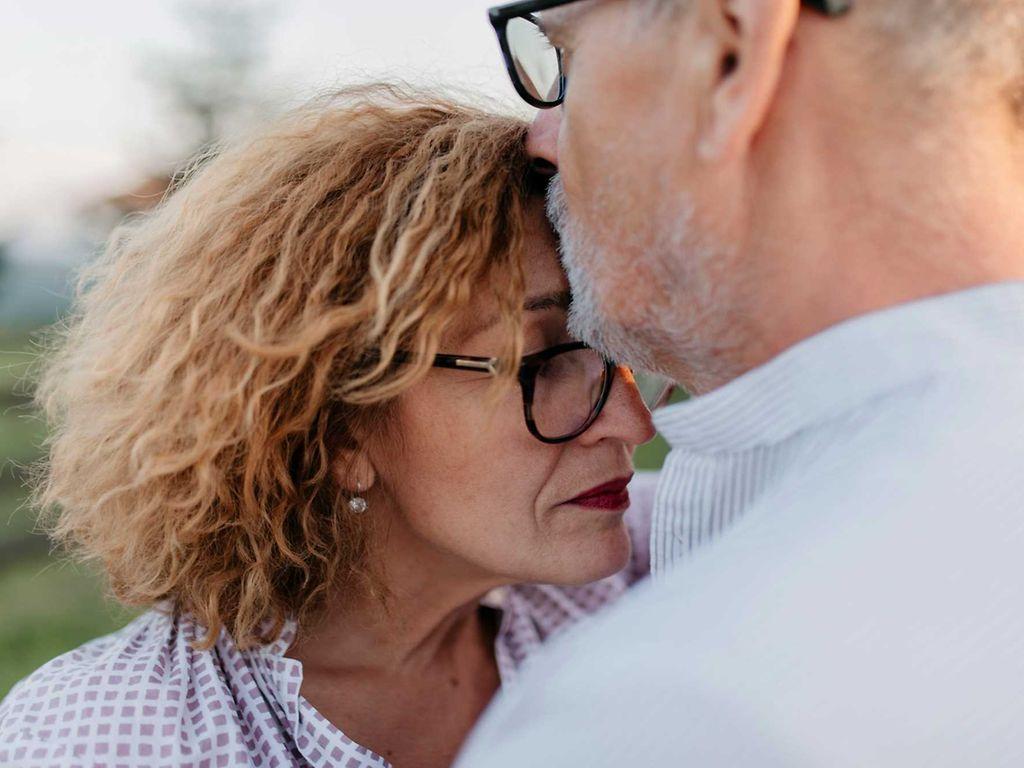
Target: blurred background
(101,103)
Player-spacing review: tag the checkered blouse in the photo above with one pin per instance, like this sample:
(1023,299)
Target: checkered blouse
(144,698)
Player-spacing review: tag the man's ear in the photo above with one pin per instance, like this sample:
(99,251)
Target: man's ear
(353,471)
(754,36)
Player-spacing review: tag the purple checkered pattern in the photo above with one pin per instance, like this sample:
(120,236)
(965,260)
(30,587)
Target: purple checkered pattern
(144,698)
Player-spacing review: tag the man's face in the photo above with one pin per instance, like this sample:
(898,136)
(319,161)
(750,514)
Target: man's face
(639,214)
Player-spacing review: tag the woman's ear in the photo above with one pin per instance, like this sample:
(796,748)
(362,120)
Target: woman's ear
(353,471)
(754,36)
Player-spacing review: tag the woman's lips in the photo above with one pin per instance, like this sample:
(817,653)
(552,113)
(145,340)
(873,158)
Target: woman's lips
(610,495)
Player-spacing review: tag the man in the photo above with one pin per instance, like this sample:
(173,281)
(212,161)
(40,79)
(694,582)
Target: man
(811,216)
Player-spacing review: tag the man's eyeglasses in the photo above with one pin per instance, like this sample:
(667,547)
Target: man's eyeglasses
(564,387)
(535,65)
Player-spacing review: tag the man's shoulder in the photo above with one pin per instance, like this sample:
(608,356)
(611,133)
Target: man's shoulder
(938,435)
(872,591)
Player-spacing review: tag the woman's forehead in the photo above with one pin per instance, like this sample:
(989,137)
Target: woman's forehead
(545,284)
(482,319)
(541,266)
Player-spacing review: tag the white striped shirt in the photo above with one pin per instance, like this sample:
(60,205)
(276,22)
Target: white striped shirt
(863,601)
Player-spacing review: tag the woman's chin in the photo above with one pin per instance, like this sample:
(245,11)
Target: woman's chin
(603,554)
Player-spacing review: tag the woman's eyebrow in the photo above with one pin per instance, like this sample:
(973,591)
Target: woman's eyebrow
(553,300)
(536,303)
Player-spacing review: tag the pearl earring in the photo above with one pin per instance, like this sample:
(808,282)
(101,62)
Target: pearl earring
(357,505)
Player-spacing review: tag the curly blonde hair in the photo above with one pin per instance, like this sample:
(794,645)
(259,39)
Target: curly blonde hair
(223,348)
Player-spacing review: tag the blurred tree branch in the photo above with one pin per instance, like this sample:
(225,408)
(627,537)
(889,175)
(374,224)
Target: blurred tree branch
(213,86)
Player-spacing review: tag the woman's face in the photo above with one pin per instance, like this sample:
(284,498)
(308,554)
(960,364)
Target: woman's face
(468,482)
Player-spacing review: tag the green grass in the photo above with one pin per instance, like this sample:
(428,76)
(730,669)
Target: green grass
(20,437)
(651,455)
(21,430)
(49,608)
(17,353)
(16,520)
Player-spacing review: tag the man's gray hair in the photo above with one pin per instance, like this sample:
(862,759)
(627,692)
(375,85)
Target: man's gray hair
(973,47)
(937,46)
(975,29)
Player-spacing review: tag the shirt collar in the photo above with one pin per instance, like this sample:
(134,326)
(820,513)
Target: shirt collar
(847,365)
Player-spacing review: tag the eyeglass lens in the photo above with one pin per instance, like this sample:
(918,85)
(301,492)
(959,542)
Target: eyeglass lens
(567,391)
(535,59)
(654,389)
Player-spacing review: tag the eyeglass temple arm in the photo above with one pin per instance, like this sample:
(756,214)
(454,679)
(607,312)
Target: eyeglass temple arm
(459,363)
(502,13)
(830,7)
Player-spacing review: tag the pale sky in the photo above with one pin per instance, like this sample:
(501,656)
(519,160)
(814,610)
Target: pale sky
(77,117)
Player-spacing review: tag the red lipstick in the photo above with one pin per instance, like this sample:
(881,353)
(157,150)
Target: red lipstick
(612,495)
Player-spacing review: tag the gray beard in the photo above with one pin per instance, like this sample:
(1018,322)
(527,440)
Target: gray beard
(682,328)
(587,321)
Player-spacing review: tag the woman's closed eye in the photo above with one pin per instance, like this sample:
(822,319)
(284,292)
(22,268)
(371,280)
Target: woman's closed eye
(561,367)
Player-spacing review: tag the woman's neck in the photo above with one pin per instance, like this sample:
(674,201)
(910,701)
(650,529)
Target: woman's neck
(407,635)
(431,612)
(408,679)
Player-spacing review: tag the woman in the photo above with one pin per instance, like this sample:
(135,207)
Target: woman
(293,415)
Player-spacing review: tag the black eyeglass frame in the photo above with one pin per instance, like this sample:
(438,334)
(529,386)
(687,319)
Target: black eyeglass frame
(529,367)
(501,15)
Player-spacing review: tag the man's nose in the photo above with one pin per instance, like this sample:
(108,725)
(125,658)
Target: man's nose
(542,140)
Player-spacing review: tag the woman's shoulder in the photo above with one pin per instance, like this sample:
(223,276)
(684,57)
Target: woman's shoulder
(121,699)
(109,660)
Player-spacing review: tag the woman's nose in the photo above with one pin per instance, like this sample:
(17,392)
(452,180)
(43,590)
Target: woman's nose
(542,140)
(625,416)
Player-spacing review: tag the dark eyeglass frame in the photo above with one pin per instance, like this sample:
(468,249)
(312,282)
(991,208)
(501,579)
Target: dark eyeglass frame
(501,15)
(529,367)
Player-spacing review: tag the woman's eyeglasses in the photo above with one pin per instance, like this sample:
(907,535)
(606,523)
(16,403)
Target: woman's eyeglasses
(535,65)
(564,388)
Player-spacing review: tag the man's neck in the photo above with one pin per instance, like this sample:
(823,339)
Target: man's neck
(851,222)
